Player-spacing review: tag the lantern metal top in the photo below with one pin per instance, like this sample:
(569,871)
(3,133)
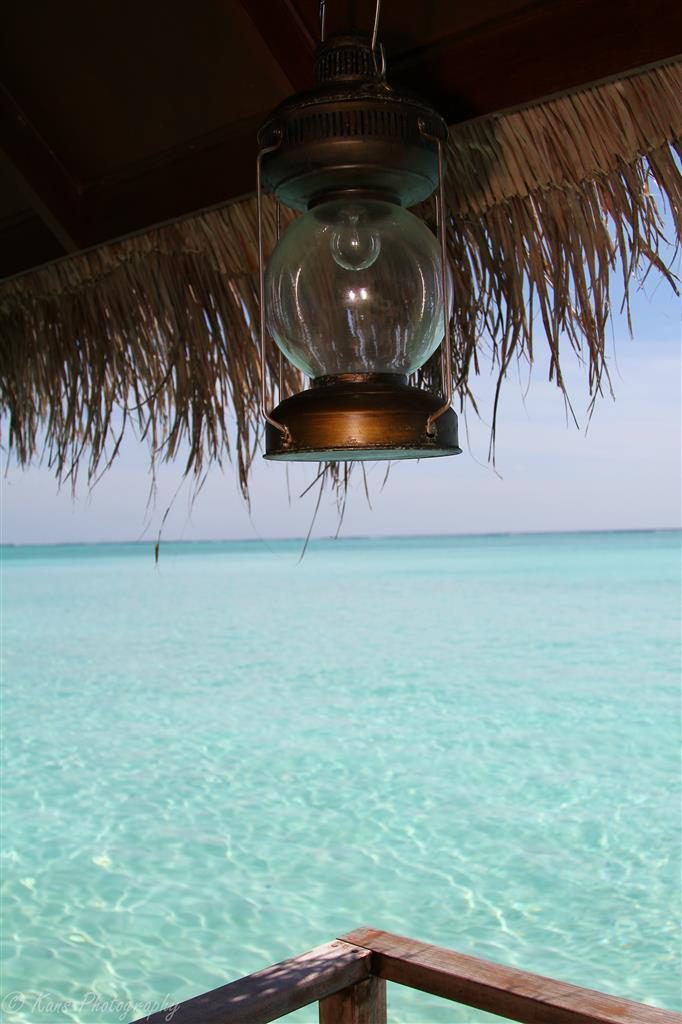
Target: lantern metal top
(351,130)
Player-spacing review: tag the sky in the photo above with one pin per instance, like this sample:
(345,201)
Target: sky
(620,471)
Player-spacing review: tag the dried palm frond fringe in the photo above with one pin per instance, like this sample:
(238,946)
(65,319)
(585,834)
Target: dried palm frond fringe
(157,331)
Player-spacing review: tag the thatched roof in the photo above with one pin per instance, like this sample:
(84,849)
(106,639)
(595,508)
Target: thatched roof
(155,332)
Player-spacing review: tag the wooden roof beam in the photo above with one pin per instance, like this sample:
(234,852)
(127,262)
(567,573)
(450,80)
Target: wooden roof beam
(537,51)
(45,182)
(286,37)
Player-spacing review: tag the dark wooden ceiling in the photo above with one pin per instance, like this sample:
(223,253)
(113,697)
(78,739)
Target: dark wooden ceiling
(118,114)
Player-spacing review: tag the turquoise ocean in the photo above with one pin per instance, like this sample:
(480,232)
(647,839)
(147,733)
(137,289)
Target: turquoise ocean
(215,763)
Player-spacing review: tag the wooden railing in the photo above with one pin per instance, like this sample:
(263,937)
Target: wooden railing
(348,978)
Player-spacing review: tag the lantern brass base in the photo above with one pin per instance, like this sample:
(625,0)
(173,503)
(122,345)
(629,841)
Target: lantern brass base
(360,417)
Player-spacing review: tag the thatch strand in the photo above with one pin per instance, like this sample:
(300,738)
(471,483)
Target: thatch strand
(158,331)
(545,203)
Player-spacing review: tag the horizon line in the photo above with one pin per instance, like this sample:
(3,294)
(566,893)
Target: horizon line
(348,537)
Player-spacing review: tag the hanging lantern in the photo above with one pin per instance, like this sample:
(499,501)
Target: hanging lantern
(357,293)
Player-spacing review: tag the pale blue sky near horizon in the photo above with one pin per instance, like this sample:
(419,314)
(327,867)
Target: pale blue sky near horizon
(622,472)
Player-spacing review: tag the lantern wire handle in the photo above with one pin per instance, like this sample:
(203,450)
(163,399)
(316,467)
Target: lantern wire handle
(375,30)
(446,350)
(278,227)
(436,204)
(379,65)
(261,288)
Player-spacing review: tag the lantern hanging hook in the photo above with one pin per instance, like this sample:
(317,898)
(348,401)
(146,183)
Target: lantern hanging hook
(380,61)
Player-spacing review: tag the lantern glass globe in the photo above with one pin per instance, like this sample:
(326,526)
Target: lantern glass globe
(354,286)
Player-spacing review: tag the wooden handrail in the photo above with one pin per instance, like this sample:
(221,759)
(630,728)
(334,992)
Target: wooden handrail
(348,979)
(274,991)
(506,991)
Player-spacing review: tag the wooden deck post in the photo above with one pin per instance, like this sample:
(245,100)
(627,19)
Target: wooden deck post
(362,1003)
